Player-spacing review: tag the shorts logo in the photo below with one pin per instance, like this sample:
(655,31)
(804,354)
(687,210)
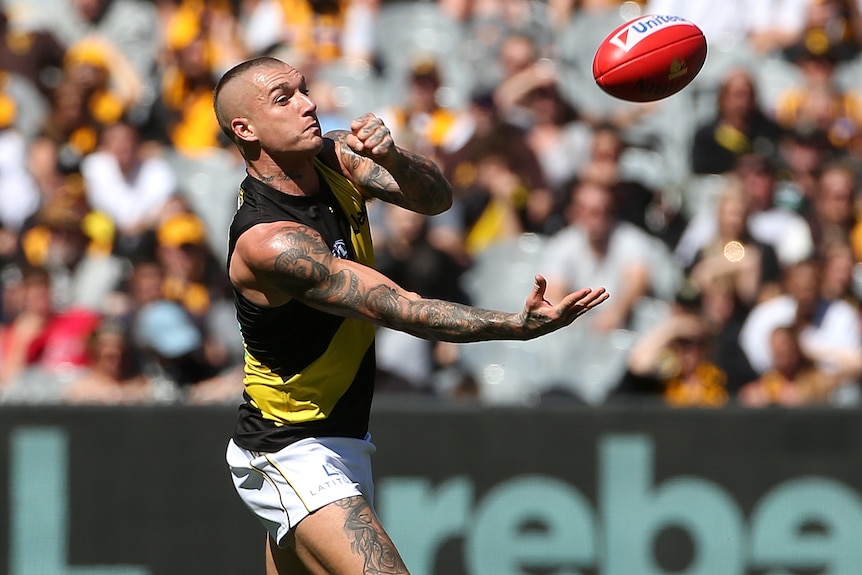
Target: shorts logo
(339,250)
(335,478)
(252,479)
(631,35)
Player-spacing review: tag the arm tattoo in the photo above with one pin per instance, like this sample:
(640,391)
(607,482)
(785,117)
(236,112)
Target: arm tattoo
(421,181)
(448,321)
(304,268)
(415,182)
(301,263)
(369,540)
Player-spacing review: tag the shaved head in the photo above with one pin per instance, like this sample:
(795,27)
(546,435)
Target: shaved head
(229,93)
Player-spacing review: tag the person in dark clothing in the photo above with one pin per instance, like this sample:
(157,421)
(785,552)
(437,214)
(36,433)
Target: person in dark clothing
(740,126)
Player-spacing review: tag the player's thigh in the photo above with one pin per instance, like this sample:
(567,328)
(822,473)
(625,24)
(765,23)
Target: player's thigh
(283,560)
(342,538)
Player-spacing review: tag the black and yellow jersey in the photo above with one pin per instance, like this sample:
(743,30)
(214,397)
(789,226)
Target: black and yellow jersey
(307,373)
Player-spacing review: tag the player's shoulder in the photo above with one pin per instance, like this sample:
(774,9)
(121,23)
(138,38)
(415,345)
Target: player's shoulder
(336,153)
(331,143)
(262,243)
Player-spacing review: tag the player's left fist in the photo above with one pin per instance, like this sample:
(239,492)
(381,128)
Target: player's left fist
(370,137)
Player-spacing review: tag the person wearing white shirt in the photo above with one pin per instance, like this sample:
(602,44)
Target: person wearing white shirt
(19,194)
(785,230)
(829,329)
(125,183)
(764,24)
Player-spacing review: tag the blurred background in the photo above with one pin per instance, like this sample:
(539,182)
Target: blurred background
(726,221)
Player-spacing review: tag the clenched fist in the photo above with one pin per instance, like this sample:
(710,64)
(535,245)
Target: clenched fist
(370,137)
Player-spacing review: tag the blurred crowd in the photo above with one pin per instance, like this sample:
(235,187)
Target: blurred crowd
(725,221)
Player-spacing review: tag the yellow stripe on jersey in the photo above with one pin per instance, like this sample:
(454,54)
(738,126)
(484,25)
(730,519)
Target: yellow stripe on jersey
(312,393)
(353,206)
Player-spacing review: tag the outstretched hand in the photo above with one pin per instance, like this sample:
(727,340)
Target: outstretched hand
(543,317)
(370,137)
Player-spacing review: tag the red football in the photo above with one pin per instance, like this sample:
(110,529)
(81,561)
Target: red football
(649,58)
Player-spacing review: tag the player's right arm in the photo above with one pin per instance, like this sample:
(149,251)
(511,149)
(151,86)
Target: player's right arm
(276,262)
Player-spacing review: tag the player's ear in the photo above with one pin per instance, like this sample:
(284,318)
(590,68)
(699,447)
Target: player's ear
(243,129)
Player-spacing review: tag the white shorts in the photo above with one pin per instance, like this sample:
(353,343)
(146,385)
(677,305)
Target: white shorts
(284,487)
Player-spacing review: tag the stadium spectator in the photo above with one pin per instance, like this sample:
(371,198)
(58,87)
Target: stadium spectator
(310,31)
(833,25)
(490,26)
(732,255)
(42,339)
(671,361)
(739,126)
(109,85)
(722,314)
(71,127)
(519,63)
(193,278)
(19,193)
(181,116)
(126,27)
(128,182)
(26,322)
(803,155)
(817,101)
(717,303)
(419,121)
(170,345)
(141,285)
(831,213)
(111,375)
(637,202)
(830,330)
(784,229)
(75,246)
(596,245)
(837,282)
(793,381)
(555,132)
(34,54)
(494,156)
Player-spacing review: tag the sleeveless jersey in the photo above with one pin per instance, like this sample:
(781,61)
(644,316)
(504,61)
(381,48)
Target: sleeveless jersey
(307,373)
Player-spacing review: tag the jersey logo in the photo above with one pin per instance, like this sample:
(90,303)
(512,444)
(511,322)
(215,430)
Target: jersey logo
(339,250)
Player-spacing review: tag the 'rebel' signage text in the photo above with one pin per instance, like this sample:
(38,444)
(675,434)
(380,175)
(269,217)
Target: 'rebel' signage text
(560,490)
(536,523)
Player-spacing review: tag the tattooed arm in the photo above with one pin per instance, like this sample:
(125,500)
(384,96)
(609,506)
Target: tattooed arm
(369,157)
(282,261)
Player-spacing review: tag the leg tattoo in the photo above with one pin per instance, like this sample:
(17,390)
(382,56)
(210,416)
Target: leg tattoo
(369,540)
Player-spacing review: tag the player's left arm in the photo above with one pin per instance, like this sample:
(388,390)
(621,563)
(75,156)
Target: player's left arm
(368,155)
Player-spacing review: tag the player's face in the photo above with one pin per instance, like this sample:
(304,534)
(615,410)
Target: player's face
(283,117)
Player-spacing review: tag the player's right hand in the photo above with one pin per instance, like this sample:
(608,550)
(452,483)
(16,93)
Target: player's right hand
(370,137)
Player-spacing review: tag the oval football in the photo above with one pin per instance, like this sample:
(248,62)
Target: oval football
(649,58)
